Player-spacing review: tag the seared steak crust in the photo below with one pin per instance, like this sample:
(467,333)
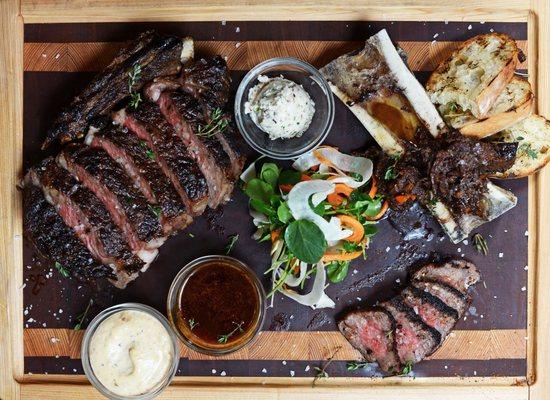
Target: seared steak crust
(459,274)
(156,55)
(447,294)
(52,238)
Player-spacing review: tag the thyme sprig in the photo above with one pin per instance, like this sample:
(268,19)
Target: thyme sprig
(133,77)
(217,124)
(354,365)
(321,372)
(480,244)
(192,323)
(82,316)
(232,242)
(62,270)
(225,338)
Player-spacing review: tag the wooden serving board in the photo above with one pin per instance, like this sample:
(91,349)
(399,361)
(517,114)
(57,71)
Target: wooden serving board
(491,351)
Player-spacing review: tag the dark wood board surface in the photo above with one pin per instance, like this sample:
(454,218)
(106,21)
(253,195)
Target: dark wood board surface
(500,301)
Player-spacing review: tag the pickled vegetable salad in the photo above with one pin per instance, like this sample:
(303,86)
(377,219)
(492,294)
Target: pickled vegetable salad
(318,216)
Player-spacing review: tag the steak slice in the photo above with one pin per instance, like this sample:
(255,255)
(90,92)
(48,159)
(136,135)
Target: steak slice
(459,274)
(55,240)
(82,211)
(447,294)
(129,209)
(148,124)
(140,162)
(432,310)
(156,55)
(414,340)
(211,163)
(372,333)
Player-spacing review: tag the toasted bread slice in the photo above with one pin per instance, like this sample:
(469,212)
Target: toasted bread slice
(514,104)
(533,137)
(475,74)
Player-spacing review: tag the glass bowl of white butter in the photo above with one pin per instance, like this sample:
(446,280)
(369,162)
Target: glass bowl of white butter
(284,108)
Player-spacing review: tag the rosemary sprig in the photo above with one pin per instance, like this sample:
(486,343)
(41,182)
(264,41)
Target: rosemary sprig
(354,365)
(62,270)
(480,244)
(133,77)
(225,338)
(232,242)
(321,372)
(192,323)
(82,316)
(217,124)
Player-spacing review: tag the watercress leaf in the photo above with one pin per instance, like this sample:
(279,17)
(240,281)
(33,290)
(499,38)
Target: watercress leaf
(257,189)
(305,240)
(289,177)
(319,209)
(275,200)
(373,207)
(370,230)
(270,174)
(337,271)
(262,207)
(283,212)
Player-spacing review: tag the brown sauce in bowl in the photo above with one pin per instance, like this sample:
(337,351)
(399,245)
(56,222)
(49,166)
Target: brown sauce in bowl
(219,305)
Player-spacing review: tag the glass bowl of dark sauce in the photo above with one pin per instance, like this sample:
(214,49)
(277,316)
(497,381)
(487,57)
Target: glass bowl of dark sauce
(216,305)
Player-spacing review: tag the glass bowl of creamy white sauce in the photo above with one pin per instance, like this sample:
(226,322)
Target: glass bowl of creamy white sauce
(130,351)
(284,108)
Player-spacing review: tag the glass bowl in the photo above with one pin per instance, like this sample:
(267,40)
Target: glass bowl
(178,321)
(315,85)
(86,362)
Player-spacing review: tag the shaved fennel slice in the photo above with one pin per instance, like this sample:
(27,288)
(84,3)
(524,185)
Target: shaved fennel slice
(315,298)
(250,172)
(298,203)
(340,162)
(294,281)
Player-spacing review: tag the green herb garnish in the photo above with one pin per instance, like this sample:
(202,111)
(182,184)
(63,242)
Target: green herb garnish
(305,240)
(62,270)
(150,154)
(225,338)
(354,365)
(480,244)
(390,171)
(217,124)
(232,242)
(527,149)
(133,77)
(337,271)
(82,316)
(407,368)
(157,210)
(192,323)
(321,372)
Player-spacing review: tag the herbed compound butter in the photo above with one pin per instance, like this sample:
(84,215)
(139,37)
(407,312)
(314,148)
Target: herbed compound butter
(280,107)
(131,353)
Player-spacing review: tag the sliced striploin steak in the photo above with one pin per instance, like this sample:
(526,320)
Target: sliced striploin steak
(148,124)
(152,54)
(127,206)
(423,313)
(372,333)
(82,211)
(142,164)
(55,240)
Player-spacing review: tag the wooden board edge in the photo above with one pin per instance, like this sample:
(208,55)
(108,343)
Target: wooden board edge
(44,11)
(266,392)
(11,128)
(540,351)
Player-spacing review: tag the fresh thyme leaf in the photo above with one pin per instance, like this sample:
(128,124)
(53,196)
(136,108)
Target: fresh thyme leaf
(150,153)
(407,368)
(480,244)
(321,372)
(217,124)
(133,77)
(453,107)
(135,99)
(225,338)
(232,241)
(62,270)
(157,210)
(82,316)
(337,271)
(390,171)
(192,323)
(354,365)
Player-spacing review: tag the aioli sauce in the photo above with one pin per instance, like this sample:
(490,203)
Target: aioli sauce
(131,352)
(218,306)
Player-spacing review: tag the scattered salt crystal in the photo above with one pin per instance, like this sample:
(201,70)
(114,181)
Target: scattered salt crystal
(57,356)
(237,29)
(223,373)
(291,373)
(388,249)
(500,255)
(74,369)
(237,45)
(526,233)
(213,371)
(523,289)
(459,250)
(436,35)
(446,22)
(469,27)
(307,368)
(264,371)
(491,30)
(434,41)
(55,340)
(25,311)
(44,324)
(475,372)
(398,280)
(526,268)
(224,22)
(284,362)
(506,231)
(44,55)
(359,299)
(446,367)
(481,22)
(495,297)
(355,271)
(465,242)
(60,311)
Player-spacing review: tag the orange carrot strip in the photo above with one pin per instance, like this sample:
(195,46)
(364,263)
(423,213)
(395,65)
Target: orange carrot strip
(335,199)
(275,235)
(373,188)
(328,257)
(402,198)
(286,187)
(380,213)
(305,177)
(322,159)
(356,227)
